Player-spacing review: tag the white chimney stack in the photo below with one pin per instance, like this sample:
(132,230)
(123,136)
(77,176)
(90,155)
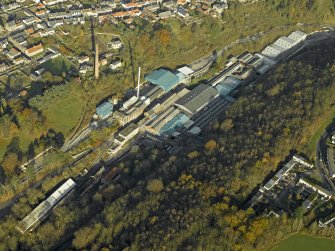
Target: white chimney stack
(138,84)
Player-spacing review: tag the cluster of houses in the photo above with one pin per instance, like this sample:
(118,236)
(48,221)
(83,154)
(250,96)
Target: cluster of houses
(50,14)
(22,24)
(289,189)
(35,19)
(154,10)
(106,59)
(39,18)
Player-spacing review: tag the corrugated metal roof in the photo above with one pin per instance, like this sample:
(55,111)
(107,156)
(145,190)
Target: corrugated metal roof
(163,78)
(197,98)
(175,123)
(228,85)
(104,109)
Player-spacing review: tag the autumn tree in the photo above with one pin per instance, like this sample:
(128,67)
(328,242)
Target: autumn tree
(155,185)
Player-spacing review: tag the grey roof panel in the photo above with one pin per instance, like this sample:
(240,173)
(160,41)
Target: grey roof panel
(197,98)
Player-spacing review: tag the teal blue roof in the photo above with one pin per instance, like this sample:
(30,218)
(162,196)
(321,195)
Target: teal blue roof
(104,109)
(163,78)
(174,124)
(228,85)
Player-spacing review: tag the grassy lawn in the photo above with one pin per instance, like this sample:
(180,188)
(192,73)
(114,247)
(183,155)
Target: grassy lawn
(306,243)
(64,114)
(311,146)
(57,66)
(3,144)
(18,80)
(25,139)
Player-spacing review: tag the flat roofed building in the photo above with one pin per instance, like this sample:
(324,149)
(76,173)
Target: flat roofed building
(322,191)
(196,99)
(128,132)
(114,148)
(255,62)
(163,78)
(165,14)
(285,42)
(297,36)
(302,161)
(273,51)
(127,115)
(119,140)
(186,71)
(244,57)
(327,220)
(307,204)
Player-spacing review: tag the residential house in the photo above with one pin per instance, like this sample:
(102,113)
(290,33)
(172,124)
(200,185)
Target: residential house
(34,50)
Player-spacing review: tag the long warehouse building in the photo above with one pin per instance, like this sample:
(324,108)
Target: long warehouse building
(35,217)
(197,99)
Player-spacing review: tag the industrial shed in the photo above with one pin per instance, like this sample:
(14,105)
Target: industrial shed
(163,78)
(104,110)
(197,99)
(227,86)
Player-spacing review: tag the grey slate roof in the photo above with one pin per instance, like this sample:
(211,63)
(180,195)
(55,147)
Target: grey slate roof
(197,98)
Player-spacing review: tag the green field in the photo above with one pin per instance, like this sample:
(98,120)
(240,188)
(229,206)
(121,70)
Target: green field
(18,80)
(57,66)
(316,136)
(305,243)
(64,114)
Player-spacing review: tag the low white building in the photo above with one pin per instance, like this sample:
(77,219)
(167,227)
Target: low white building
(53,2)
(320,190)
(283,44)
(333,139)
(117,44)
(83,59)
(220,7)
(115,65)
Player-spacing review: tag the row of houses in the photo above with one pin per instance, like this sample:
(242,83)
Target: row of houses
(274,181)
